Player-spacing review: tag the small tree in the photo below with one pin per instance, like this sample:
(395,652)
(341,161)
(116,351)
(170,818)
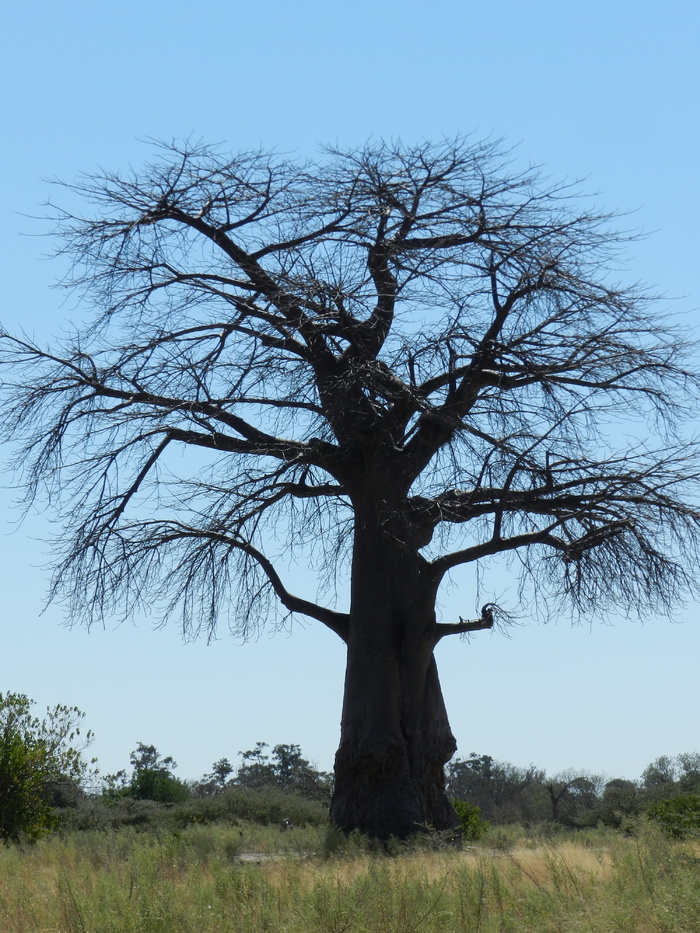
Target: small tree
(668,776)
(661,772)
(473,826)
(573,797)
(37,758)
(689,772)
(152,777)
(285,768)
(399,360)
(496,787)
(256,769)
(659,778)
(622,800)
(221,771)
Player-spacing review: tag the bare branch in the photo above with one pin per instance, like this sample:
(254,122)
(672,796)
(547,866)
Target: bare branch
(413,342)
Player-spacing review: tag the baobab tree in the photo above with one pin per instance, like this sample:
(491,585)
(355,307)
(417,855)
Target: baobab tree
(396,359)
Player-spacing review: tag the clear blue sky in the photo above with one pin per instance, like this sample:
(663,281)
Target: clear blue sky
(606,91)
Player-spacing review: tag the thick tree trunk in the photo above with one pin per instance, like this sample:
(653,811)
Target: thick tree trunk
(395,736)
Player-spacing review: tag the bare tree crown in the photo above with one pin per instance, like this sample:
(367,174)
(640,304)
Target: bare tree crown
(419,338)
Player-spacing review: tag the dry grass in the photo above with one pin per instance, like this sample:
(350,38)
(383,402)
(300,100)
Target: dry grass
(582,865)
(195,882)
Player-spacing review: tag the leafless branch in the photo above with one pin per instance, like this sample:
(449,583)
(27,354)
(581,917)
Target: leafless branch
(416,337)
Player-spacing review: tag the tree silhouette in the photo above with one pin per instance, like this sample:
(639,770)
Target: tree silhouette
(396,360)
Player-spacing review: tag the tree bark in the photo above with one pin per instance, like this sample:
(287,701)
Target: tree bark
(395,735)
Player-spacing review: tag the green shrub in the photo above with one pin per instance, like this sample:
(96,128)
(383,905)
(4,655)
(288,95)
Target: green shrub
(40,762)
(473,827)
(151,784)
(678,816)
(268,805)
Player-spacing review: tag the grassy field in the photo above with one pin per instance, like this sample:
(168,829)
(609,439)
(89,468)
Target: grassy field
(245,879)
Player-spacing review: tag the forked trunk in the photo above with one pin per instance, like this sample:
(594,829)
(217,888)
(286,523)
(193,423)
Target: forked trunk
(395,736)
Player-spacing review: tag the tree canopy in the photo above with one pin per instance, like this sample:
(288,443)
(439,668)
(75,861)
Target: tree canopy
(276,315)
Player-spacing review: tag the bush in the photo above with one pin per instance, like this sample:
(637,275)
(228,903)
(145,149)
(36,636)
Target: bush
(162,788)
(39,763)
(263,805)
(473,827)
(107,814)
(678,817)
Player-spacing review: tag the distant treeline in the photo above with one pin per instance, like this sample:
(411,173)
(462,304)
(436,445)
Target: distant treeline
(508,794)
(505,793)
(46,784)
(152,777)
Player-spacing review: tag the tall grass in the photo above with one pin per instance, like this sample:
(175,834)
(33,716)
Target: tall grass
(206,879)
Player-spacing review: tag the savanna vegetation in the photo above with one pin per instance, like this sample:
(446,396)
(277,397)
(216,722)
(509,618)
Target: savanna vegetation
(199,878)
(46,785)
(251,848)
